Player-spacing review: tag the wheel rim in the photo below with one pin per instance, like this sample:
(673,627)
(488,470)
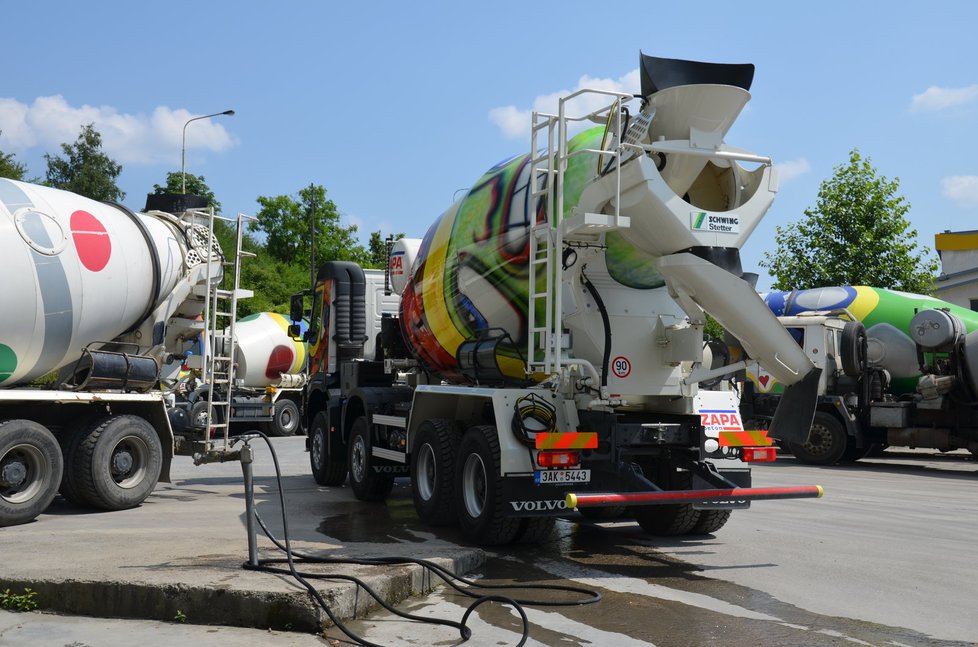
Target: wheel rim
(819,440)
(358,459)
(286,420)
(316,451)
(474,485)
(128,460)
(425,476)
(23,472)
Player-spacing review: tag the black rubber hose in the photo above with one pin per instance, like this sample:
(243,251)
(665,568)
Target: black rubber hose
(606,322)
(447,576)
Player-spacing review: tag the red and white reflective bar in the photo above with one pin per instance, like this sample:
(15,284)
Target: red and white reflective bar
(693,496)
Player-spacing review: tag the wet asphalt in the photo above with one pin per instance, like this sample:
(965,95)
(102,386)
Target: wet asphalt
(882,560)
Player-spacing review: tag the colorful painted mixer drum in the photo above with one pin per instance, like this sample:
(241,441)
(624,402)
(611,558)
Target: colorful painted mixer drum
(265,350)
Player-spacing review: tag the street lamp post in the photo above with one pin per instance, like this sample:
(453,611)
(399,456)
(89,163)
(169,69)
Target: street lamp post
(183,147)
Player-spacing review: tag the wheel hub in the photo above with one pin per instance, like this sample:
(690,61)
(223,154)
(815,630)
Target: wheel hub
(426,472)
(358,467)
(818,440)
(122,462)
(23,471)
(129,461)
(474,486)
(285,419)
(13,474)
(317,450)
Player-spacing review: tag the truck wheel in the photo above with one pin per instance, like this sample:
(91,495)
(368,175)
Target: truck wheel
(30,470)
(710,521)
(826,442)
(116,463)
(285,420)
(367,483)
(478,486)
(433,472)
(670,519)
(326,469)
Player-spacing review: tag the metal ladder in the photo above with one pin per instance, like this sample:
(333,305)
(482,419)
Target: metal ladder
(221,307)
(543,352)
(547,171)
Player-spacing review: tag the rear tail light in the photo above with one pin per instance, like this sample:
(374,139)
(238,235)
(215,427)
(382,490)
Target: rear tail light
(558,459)
(759,454)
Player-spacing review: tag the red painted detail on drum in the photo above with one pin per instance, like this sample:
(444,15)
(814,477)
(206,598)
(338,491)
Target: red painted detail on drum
(92,241)
(280,361)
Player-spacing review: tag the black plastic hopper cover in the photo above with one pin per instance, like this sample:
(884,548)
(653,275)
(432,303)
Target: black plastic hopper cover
(661,73)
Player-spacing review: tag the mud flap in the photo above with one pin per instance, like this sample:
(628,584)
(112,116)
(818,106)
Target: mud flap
(792,420)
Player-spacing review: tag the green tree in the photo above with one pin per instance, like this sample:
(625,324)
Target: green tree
(10,168)
(196,185)
(857,234)
(85,169)
(285,221)
(377,249)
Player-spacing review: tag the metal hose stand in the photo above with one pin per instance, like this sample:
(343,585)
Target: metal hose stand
(247,458)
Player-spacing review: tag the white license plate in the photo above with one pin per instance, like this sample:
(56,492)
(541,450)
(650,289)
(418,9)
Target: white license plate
(562,476)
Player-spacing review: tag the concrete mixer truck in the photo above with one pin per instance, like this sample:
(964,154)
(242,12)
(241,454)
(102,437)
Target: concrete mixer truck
(269,376)
(107,296)
(545,344)
(899,370)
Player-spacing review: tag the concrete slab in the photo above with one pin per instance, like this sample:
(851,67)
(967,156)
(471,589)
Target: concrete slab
(181,554)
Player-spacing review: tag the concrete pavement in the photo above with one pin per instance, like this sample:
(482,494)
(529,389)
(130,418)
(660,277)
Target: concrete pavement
(180,554)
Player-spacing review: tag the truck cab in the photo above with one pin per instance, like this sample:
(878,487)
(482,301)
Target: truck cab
(837,345)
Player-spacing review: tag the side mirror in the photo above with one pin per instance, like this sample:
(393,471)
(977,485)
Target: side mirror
(294,331)
(297,308)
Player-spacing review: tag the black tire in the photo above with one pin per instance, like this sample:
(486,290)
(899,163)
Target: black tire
(603,514)
(30,470)
(117,462)
(285,419)
(433,471)
(853,349)
(68,440)
(826,442)
(535,530)
(710,521)
(367,483)
(853,453)
(670,519)
(326,468)
(478,487)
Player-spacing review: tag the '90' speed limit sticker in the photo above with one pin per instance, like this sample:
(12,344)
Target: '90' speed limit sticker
(621,367)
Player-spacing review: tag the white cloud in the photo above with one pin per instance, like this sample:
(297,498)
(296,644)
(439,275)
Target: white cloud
(127,138)
(961,189)
(936,98)
(514,122)
(788,171)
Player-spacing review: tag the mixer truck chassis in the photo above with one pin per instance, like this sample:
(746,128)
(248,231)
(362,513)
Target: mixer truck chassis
(104,303)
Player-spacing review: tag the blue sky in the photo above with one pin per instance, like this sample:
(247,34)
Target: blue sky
(393,107)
